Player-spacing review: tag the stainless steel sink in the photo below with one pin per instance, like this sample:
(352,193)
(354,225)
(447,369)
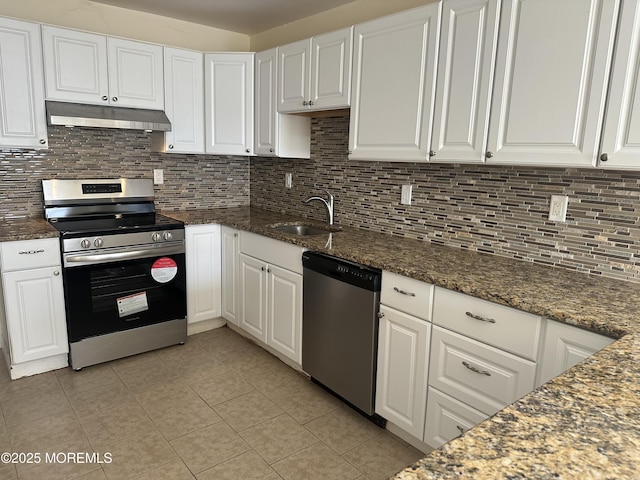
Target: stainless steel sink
(302,230)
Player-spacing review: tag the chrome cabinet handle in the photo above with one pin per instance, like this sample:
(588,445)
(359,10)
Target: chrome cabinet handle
(42,141)
(404,292)
(305,103)
(432,153)
(235,235)
(477,317)
(30,252)
(310,103)
(248,150)
(271,150)
(115,99)
(105,98)
(460,429)
(604,157)
(476,370)
(380,314)
(170,147)
(56,273)
(489,154)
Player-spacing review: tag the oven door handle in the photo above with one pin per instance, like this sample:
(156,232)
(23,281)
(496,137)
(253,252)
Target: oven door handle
(95,258)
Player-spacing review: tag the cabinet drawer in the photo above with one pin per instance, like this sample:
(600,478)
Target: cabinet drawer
(503,327)
(406,294)
(275,252)
(26,254)
(447,418)
(479,375)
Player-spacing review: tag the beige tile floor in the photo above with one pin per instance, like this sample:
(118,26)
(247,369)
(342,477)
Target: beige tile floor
(216,408)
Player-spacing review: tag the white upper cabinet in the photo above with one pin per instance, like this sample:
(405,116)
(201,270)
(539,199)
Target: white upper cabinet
(229,103)
(184,100)
(315,74)
(468,43)
(84,67)
(621,136)
(276,134)
(22,114)
(551,76)
(393,87)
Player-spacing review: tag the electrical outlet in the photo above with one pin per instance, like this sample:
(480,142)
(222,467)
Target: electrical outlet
(558,208)
(158,176)
(405,198)
(288,180)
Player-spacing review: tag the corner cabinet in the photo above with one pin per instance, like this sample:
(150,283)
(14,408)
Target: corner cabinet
(551,77)
(228,80)
(85,67)
(22,112)
(276,134)
(393,87)
(33,317)
(315,74)
(202,245)
(184,101)
(271,294)
(230,273)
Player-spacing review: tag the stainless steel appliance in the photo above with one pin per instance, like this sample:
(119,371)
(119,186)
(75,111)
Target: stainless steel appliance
(123,268)
(341,301)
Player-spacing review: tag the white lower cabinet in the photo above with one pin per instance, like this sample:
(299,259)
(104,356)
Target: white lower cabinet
(271,293)
(33,316)
(230,273)
(203,273)
(565,346)
(401,382)
(447,418)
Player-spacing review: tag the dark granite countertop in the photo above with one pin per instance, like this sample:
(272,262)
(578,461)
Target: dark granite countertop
(583,424)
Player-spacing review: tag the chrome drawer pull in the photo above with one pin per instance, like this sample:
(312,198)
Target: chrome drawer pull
(30,252)
(410,294)
(460,429)
(476,370)
(477,317)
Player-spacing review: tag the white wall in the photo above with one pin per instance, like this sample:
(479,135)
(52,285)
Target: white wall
(106,19)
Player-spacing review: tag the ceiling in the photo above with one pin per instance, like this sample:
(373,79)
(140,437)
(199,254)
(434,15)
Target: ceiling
(243,16)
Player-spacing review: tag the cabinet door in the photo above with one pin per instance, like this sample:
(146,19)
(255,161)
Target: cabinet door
(566,346)
(284,300)
(229,103)
(22,114)
(468,44)
(230,271)
(202,244)
(331,70)
(37,329)
(253,289)
(293,76)
(75,66)
(136,74)
(184,100)
(551,77)
(621,137)
(266,115)
(393,88)
(401,383)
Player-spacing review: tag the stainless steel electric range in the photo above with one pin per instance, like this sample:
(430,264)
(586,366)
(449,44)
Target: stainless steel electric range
(123,268)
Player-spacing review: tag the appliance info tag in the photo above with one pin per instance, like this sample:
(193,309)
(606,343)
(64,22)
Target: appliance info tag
(164,270)
(132,304)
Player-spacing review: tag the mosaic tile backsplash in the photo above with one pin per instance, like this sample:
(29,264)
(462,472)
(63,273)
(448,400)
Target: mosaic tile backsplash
(499,210)
(190,181)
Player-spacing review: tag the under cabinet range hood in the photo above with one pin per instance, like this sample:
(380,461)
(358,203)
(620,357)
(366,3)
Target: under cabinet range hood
(101,116)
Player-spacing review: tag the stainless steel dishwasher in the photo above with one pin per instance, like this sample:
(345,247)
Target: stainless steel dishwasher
(341,301)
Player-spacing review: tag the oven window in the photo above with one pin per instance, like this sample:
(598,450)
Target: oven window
(107,298)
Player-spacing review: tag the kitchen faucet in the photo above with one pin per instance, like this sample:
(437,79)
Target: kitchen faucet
(327,203)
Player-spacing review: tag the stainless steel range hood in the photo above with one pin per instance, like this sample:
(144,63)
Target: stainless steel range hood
(81,115)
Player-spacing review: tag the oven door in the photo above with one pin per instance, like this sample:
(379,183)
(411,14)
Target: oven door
(123,289)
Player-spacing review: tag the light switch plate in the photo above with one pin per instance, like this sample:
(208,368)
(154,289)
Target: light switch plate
(288,180)
(405,198)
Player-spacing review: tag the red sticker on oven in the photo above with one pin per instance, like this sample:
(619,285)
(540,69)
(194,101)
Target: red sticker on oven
(164,270)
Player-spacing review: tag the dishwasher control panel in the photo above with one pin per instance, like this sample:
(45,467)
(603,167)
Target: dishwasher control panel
(344,270)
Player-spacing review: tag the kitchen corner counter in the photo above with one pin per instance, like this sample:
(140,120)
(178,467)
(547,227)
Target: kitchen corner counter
(583,424)
(25,228)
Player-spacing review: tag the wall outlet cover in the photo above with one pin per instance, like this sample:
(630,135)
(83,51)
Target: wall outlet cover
(405,198)
(158,176)
(558,208)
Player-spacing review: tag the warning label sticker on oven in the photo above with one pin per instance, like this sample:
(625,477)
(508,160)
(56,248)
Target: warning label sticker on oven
(164,270)
(132,304)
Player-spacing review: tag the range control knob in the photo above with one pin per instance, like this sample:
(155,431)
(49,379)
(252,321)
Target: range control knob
(167,236)
(156,237)
(98,242)
(85,243)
